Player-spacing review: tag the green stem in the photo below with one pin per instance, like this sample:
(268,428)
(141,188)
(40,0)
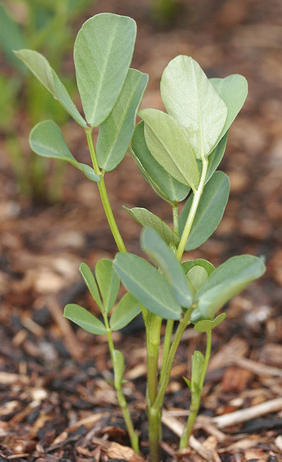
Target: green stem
(104,195)
(175,218)
(196,399)
(153,337)
(155,433)
(133,435)
(166,347)
(185,321)
(195,203)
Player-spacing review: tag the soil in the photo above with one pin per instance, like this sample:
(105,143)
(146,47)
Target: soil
(56,402)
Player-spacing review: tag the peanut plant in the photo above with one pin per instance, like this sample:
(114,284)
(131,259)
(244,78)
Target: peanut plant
(178,153)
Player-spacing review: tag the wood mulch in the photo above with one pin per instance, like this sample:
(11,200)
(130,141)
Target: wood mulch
(56,402)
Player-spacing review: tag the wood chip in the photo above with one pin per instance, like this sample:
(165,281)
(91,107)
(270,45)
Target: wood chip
(243,415)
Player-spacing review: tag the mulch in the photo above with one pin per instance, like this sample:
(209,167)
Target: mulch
(56,400)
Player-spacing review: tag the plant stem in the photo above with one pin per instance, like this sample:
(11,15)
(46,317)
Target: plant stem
(195,203)
(166,347)
(104,195)
(133,435)
(155,433)
(153,337)
(175,218)
(185,321)
(196,399)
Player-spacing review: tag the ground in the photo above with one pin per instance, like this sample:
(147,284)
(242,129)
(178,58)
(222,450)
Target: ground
(56,401)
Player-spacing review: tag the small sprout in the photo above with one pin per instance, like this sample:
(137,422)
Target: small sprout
(178,153)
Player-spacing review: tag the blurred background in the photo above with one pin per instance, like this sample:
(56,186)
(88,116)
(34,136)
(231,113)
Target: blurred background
(50,216)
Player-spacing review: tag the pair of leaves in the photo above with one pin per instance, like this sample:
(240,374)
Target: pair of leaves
(102,60)
(211,288)
(197,272)
(170,146)
(209,213)
(200,107)
(162,293)
(165,185)
(195,120)
(109,90)
(226,281)
(104,289)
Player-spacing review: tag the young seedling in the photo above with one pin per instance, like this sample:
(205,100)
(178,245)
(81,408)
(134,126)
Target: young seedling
(177,152)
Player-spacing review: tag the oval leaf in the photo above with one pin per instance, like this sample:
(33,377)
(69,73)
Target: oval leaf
(209,213)
(170,146)
(116,131)
(167,187)
(228,280)
(233,90)
(191,99)
(149,219)
(84,319)
(46,140)
(108,282)
(147,285)
(196,277)
(42,70)
(187,265)
(165,259)
(102,54)
(207,326)
(91,284)
(126,310)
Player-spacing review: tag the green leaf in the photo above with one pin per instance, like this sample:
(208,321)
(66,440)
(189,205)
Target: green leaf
(46,140)
(165,259)
(102,54)
(91,284)
(196,277)
(188,383)
(84,319)
(119,368)
(146,218)
(187,265)
(209,213)
(207,325)
(170,146)
(108,282)
(147,285)
(228,280)
(42,70)
(11,38)
(167,187)
(233,90)
(191,99)
(116,131)
(126,310)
